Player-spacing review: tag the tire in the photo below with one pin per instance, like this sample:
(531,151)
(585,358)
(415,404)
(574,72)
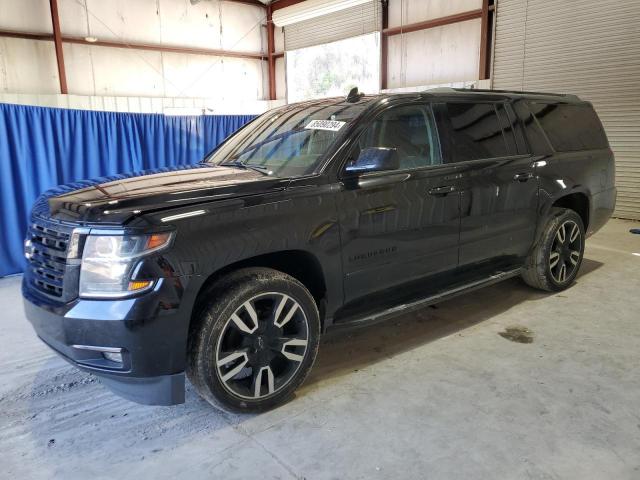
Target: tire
(253,340)
(543,268)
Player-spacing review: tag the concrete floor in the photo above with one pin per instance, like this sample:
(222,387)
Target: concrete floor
(438,394)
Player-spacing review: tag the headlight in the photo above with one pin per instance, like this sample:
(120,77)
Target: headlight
(108,263)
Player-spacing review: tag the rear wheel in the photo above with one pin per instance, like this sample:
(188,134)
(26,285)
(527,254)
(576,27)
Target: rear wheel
(554,262)
(254,341)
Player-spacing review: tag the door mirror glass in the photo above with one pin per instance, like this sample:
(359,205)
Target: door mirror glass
(374,159)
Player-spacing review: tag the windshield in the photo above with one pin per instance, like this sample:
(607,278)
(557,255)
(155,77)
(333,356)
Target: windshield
(290,141)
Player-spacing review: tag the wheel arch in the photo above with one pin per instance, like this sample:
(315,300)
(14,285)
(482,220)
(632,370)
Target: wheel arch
(576,201)
(300,264)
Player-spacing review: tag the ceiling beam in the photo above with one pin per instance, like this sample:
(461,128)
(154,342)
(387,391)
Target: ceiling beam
(280,4)
(166,48)
(435,22)
(26,35)
(57,41)
(135,46)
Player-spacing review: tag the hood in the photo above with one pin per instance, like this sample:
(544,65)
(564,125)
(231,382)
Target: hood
(114,201)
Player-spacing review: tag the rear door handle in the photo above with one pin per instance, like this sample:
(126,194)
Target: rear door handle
(522,177)
(442,191)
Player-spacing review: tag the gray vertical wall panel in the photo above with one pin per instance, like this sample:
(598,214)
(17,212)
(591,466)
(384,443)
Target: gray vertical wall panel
(590,48)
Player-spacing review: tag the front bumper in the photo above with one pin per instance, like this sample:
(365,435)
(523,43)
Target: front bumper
(150,331)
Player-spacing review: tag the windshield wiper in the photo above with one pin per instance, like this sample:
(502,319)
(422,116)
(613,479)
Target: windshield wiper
(245,166)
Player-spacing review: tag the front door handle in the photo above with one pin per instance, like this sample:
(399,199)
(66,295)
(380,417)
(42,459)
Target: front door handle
(522,177)
(442,191)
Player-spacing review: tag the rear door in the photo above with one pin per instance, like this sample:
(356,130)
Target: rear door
(400,225)
(498,186)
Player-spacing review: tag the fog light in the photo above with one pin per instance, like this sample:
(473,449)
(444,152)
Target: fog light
(113,356)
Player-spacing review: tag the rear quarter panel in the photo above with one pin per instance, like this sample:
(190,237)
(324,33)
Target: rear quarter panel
(591,173)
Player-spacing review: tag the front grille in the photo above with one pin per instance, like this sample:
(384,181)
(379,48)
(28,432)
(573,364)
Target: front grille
(48,257)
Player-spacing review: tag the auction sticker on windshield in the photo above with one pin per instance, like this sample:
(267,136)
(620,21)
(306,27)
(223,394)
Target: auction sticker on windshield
(331,125)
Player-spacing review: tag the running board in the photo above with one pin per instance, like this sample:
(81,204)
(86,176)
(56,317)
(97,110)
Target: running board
(426,301)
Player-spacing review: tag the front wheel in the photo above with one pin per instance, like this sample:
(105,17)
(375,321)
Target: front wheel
(254,341)
(554,262)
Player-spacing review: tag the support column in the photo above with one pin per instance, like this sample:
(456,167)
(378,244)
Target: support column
(57,40)
(384,46)
(271,59)
(484,42)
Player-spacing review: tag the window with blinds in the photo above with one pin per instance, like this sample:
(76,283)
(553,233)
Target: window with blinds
(349,22)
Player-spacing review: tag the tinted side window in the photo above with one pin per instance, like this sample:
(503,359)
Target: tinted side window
(411,130)
(538,144)
(570,127)
(507,129)
(476,131)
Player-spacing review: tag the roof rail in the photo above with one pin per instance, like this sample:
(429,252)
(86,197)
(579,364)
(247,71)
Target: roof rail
(441,89)
(514,92)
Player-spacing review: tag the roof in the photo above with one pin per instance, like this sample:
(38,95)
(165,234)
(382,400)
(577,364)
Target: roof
(444,93)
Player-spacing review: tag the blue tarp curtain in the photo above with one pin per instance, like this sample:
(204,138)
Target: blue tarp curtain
(41,148)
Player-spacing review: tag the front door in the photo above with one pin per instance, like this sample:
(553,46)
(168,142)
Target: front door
(400,225)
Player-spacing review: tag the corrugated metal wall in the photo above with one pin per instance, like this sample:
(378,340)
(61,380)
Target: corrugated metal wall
(350,22)
(590,48)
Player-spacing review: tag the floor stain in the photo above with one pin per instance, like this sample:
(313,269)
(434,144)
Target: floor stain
(517,334)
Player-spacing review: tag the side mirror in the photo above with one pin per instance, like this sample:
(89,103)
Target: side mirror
(374,159)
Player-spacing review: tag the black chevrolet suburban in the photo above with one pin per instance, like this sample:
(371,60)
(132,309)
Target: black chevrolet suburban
(315,215)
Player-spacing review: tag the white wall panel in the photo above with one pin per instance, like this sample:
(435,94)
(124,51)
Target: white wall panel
(281,78)
(438,55)
(206,76)
(279,39)
(403,12)
(190,25)
(223,25)
(241,27)
(135,21)
(93,70)
(27,66)
(25,15)
(78,61)
(72,15)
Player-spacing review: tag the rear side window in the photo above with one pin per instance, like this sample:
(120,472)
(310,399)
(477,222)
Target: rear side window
(477,131)
(508,130)
(570,128)
(538,144)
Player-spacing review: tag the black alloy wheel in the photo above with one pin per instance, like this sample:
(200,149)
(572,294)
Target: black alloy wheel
(566,251)
(253,340)
(262,345)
